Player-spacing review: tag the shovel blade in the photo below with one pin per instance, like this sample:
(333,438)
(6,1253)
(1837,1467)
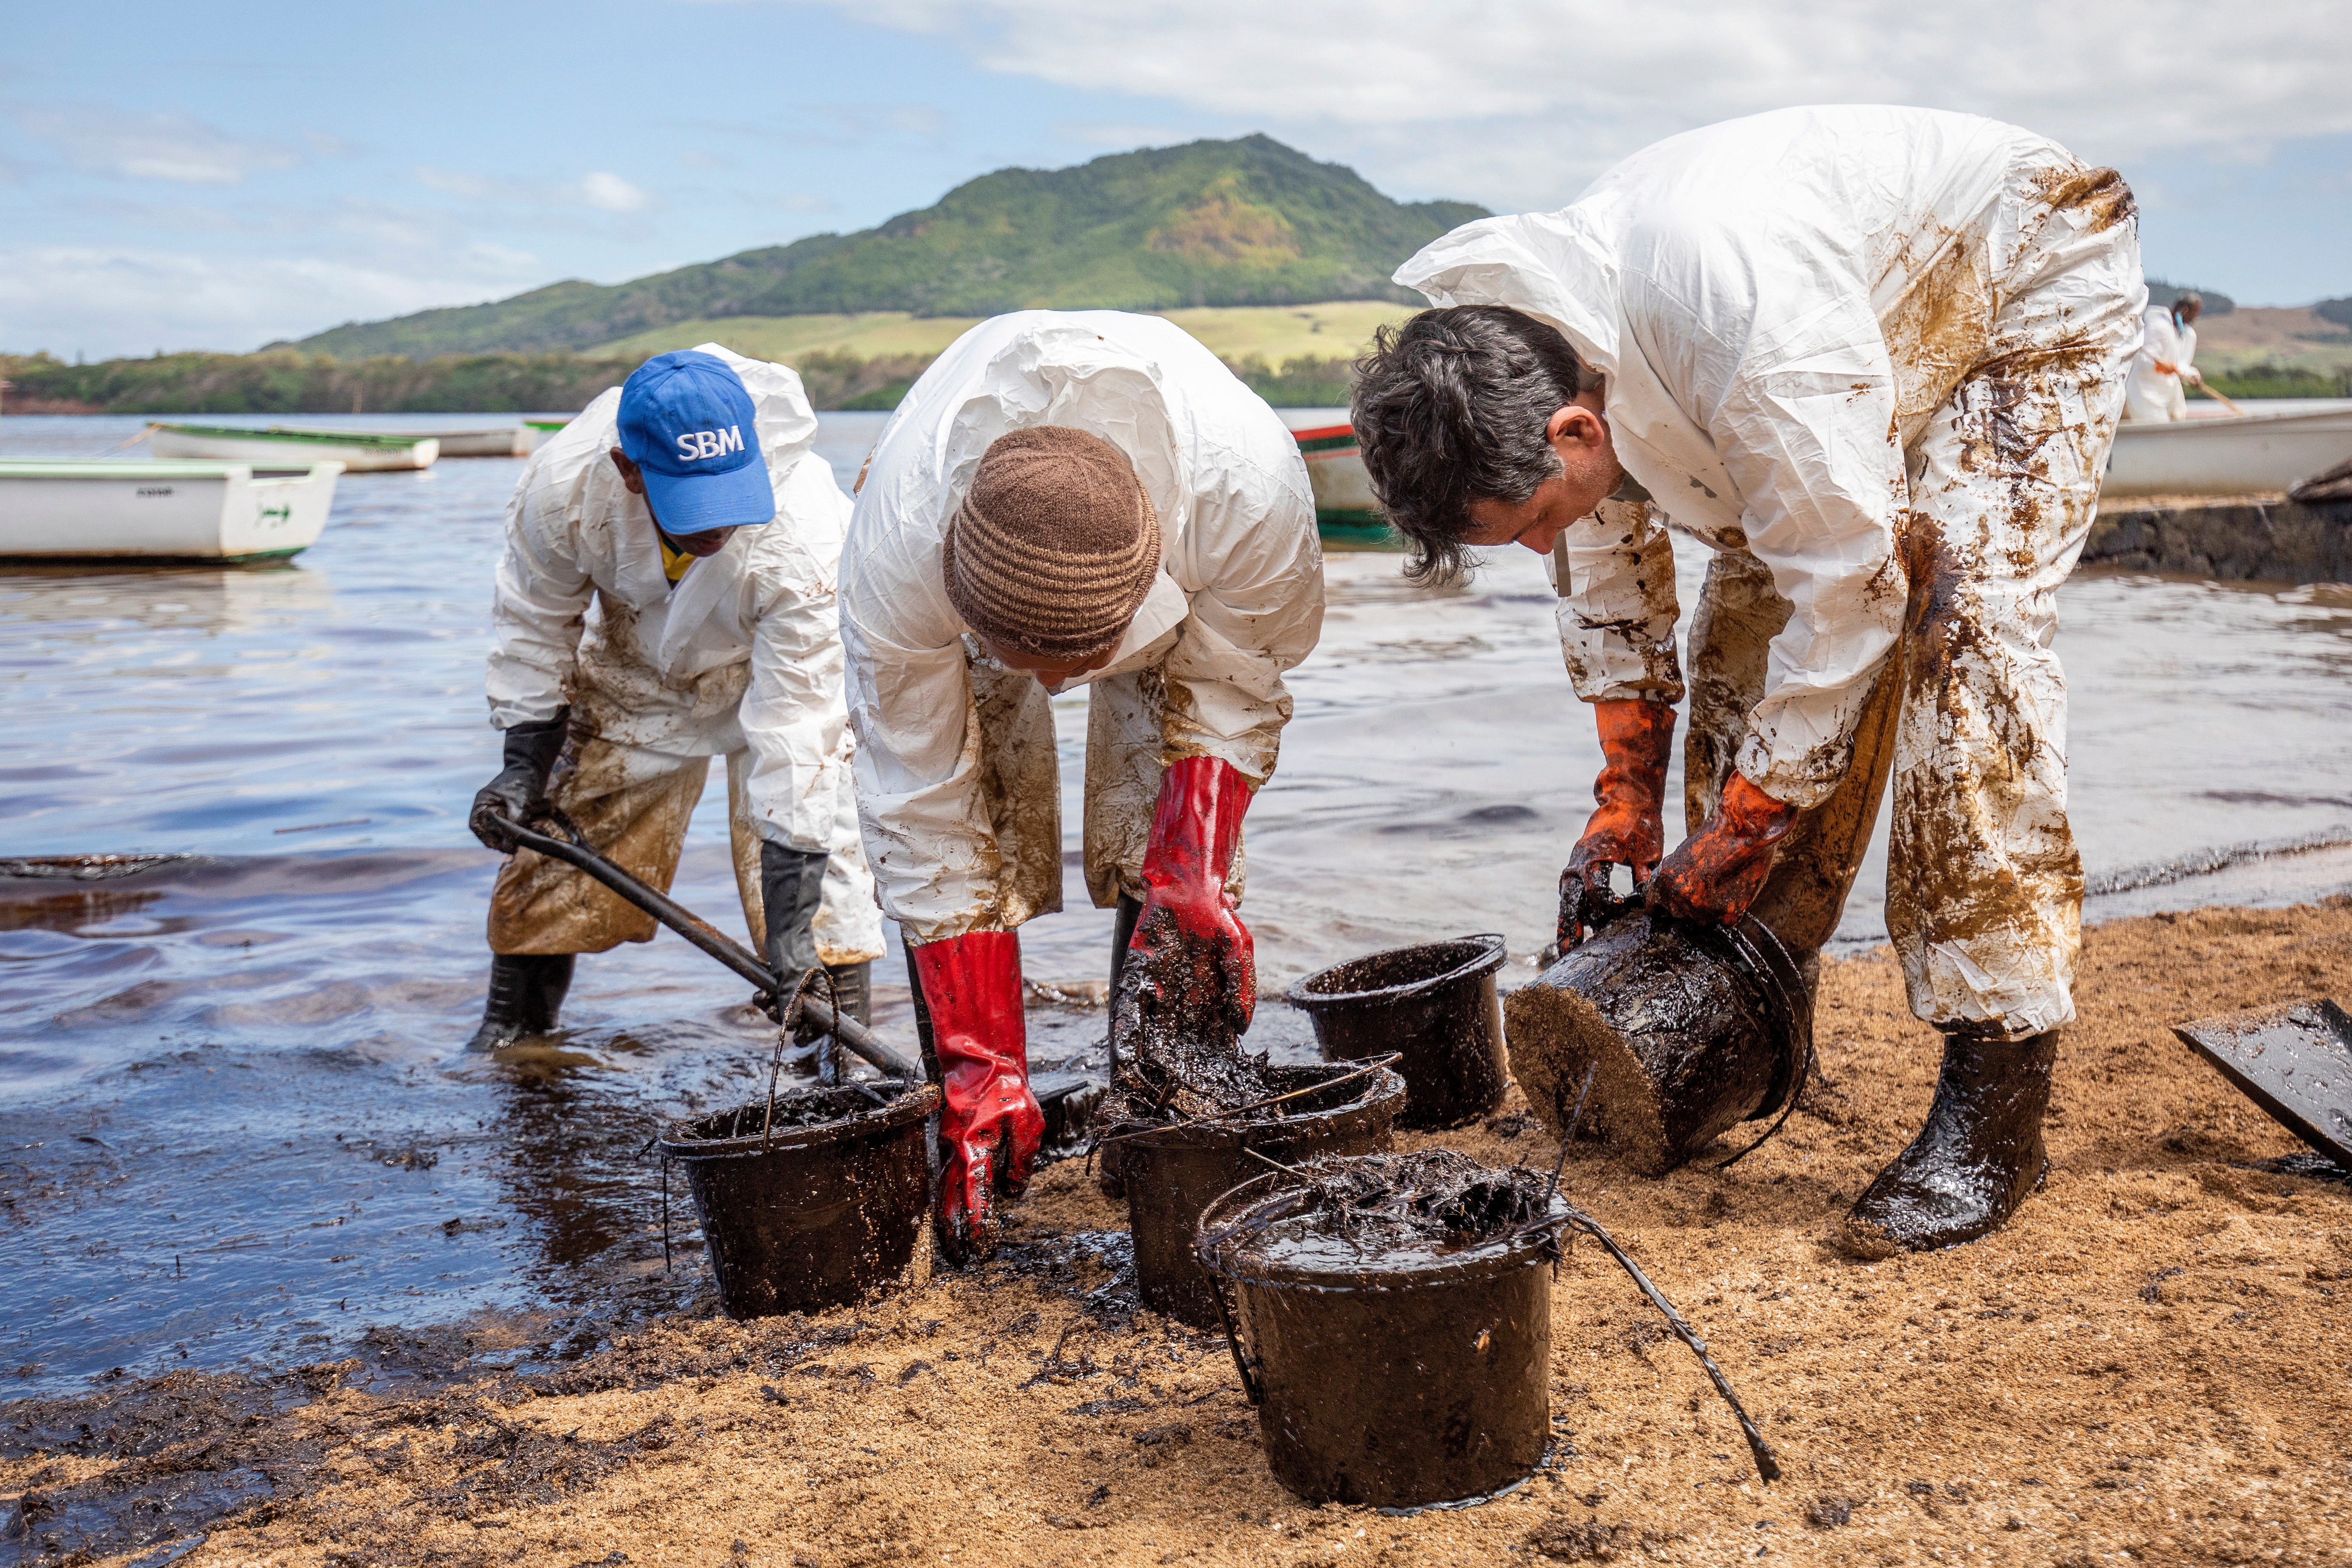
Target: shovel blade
(2293,1060)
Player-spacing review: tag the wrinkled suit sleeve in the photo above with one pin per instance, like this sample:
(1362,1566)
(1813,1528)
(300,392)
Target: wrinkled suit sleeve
(1802,410)
(539,606)
(1258,615)
(792,716)
(1615,574)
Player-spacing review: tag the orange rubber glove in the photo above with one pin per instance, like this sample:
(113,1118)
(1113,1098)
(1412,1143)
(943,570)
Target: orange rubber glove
(1637,738)
(1716,873)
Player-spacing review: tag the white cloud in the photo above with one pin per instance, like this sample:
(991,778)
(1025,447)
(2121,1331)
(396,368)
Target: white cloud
(611,193)
(1120,133)
(105,302)
(171,146)
(1523,101)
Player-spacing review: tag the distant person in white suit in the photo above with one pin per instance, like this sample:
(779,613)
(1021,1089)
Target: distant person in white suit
(2154,392)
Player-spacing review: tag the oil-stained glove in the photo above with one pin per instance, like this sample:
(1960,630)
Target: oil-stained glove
(1637,739)
(1191,965)
(518,795)
(989,1124)
(792,884)
(1716,873)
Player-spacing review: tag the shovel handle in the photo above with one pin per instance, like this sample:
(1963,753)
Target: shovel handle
(707,937)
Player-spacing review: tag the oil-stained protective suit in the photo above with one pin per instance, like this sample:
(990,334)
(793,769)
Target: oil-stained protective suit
(741,659)
(958,784)
(2155,394)
(1875,357)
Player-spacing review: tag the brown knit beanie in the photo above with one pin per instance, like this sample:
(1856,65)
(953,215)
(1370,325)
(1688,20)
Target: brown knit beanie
(1054,547)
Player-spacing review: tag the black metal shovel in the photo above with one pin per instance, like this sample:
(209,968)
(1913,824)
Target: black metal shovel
(2294,1061)
(852,1034)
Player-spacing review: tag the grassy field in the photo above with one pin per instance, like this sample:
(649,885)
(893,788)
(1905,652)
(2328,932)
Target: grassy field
(2291,339)
(1271,332)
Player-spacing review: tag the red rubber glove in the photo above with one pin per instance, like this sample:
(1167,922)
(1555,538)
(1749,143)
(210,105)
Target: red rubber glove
(1191,957)
(1716,873)
(1637,738)
(990,1126)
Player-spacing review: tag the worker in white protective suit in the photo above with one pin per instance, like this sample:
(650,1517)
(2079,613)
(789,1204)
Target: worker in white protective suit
(2168,351)
(667,596)
(1068,497)
(1874,356)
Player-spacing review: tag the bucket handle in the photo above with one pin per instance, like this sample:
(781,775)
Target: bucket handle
(1242,1363)
(1794,1023)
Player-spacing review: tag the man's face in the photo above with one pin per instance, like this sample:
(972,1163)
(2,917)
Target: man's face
(1589,475)
(1051,674)
(708,542)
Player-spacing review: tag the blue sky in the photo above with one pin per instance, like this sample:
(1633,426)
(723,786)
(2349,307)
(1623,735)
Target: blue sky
(223,176)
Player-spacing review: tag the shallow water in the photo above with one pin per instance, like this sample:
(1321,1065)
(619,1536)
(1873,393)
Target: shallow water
(231,1115)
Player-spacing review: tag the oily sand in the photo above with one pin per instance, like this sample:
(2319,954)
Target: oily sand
(2147,1365)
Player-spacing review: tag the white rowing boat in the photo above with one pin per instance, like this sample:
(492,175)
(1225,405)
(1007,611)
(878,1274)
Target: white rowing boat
(224,513)
(506,441)
(359,450)
(2247,455)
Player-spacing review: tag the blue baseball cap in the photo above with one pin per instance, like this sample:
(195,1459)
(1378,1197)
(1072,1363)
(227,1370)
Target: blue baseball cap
(688,423)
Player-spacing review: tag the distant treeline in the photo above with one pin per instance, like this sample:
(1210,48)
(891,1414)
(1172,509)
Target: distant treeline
(288,381)
(2280,380)
(294,383)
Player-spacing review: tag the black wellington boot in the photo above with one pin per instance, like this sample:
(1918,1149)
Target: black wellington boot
(526,993)
(852,992)
(1110,1167)
(1974,1162)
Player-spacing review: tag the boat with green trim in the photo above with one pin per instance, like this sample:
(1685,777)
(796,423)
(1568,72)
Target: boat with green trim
(58,510)
(359,450)
(1347,513)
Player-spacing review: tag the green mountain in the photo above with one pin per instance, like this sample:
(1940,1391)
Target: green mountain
(1250,222)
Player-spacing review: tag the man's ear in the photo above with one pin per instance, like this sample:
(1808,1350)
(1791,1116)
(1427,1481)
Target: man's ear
(630,474)
(1572,426)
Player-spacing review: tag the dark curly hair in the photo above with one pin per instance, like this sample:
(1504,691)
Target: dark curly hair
(1450,408)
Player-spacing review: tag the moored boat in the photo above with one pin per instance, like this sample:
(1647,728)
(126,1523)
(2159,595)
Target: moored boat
(2245,454)
(1347,513)
(359,450)
(505,441)
(216,513)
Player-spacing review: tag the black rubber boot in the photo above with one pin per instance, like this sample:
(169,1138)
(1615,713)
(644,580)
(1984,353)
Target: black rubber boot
(1974,1162)
(525,994)
(852,992)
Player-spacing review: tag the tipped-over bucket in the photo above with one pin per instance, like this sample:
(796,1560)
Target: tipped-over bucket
(1398,1381)
(1688,1030)
(1173,1173)
(1436,1006)
(816,1206)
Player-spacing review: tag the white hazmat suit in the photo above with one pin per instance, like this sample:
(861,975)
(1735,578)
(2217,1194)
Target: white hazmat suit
(957,779)
(2155,394)
(1875,357)
(741,659)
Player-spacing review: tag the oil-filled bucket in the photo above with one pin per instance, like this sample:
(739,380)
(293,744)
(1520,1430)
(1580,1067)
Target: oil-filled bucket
(1687,1029)
(1436,1006)
(1419,1380)
(1173,1173)
(814,1204)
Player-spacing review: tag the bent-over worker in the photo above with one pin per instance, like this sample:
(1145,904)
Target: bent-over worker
(667,596)
(1070,498)
(2167,347)
(1874,356)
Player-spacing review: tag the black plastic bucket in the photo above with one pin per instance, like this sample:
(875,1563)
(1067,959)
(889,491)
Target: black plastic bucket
(1688,1030)
(1171,1173)
(1403,1388)
(1433,1004)
(809,1217)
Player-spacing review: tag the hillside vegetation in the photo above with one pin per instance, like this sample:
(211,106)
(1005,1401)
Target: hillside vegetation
(1249,222)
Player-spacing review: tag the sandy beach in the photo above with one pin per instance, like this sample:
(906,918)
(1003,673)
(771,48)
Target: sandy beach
(2147,1365)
